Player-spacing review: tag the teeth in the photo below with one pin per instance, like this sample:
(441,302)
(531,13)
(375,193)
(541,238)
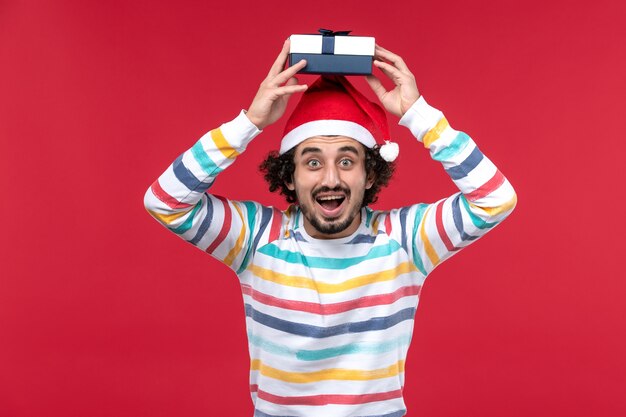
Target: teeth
(330,197)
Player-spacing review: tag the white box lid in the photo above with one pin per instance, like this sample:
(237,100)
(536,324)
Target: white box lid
(344,45)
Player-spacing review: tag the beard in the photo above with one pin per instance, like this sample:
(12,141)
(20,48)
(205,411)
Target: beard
(331,226)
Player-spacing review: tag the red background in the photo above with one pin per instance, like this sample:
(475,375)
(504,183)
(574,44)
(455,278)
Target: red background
(104,313)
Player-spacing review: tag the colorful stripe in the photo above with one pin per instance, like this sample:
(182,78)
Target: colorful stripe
(325,262)
(442,230)
(320,332)
(458,144)
(338,374)
(186,177)
(487,188)
(330,288)
(467,166)
(226,224)
(434,133)
(228,260)
(428,247)
(333,308)
(325,399)
(222,144)
(206,163)
(359,348)
(170,201)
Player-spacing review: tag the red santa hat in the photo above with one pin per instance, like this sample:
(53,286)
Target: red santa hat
(332,106)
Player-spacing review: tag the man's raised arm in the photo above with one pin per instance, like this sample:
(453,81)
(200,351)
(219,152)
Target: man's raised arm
(178,199)
(486,197)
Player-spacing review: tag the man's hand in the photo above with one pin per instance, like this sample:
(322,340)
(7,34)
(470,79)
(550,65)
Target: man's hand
(398,100)
(271,100)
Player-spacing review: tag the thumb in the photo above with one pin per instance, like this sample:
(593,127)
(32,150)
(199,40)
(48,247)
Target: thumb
(376,86)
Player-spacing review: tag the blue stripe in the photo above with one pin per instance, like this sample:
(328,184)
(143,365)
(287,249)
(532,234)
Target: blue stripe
(307,330)
(457,216)
(454,148)
(189,222)
(478,222)
(361,238)
(328,263)
(206,223)
(465,167)
(297,236)
(187,178)
(419,217)
(203,160)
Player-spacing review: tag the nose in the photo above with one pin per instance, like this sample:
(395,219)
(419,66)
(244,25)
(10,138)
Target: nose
(331,176)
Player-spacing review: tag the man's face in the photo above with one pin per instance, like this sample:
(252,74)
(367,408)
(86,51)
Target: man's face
(330,182)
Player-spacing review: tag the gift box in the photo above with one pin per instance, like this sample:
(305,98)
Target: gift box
(333,53)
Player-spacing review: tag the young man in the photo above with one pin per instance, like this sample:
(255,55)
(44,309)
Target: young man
(330,286)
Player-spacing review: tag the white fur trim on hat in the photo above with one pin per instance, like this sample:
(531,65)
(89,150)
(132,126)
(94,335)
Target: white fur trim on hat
(326,127)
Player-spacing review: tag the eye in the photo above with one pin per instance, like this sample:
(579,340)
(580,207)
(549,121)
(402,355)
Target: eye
(313,163)
(345,163)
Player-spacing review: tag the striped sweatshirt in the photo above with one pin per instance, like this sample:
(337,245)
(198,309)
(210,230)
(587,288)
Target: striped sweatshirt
(329,322)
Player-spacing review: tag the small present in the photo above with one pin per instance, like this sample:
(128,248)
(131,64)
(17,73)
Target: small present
(333,53)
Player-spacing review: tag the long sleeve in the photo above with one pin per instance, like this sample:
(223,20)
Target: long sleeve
(228,230)
(432,233)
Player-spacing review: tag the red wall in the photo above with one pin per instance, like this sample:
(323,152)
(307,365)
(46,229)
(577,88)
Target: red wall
(103,313)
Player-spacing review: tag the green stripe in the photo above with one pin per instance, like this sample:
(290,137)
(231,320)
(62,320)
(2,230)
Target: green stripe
(419,217)
(251,213)
(328,263)
(204,161)
(368,217)
(478,222)
(454,148)
(367,348)
(189,222)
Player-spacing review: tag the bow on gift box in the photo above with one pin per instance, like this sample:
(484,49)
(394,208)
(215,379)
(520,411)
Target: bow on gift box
(328,39)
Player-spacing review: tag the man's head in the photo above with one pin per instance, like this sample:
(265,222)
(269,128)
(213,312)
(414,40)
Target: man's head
(331,178)
(328,160)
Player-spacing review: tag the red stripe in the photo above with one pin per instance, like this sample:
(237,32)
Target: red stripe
(335,308)
(166,198)
(388,223)
(441,230)
(487,188)
(276,222)
(325,399)
(225,225)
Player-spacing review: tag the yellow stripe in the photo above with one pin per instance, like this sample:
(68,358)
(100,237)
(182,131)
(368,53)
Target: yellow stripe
(434,133)
(222,144)
(168,218)
(494,211)
(326,288)
(235,251)
(430,251)
(326,374)
(375,223)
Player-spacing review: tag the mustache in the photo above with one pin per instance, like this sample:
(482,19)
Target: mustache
(325,189)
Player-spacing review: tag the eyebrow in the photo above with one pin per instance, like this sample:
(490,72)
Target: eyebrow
(312,149)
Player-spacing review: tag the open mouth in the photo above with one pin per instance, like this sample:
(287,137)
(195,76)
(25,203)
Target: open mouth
(330,204)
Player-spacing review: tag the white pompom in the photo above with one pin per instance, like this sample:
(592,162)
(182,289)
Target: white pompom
(389,151)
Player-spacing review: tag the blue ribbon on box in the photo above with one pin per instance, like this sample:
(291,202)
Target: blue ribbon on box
(328,39)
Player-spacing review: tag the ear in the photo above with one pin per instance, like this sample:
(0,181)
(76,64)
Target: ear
(371,178)
(290,185)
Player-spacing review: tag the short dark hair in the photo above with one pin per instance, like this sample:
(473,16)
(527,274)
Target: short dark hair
(278,171)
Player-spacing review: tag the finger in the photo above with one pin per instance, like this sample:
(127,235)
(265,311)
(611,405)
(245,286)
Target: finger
(292,81)
(281,78)
(393,58)
(279,64)
(288,90)
(376,86)
(390,71)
